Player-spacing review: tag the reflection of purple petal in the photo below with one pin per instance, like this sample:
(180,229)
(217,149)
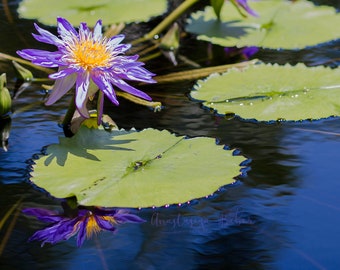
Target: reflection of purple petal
(82,232)
(105,224)
(249,51)
(42,214)
(57,232)
(230,50)
(246,52)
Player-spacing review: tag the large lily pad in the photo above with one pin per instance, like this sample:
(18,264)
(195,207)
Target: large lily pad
(77,11)
(281,24)
(272,92)
(134,169)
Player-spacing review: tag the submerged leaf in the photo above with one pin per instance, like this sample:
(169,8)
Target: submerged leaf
(77,11)
(280,24)
(134,169)
(273,92)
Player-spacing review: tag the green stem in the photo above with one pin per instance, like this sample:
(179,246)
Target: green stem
(149,57)
(70,112)
(200,73)
(167,21)
(152,104)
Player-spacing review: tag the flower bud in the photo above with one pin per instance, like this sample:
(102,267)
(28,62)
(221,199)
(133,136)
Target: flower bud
(5,97)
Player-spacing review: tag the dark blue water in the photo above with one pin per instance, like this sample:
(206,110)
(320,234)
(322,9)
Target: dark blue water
(283,214)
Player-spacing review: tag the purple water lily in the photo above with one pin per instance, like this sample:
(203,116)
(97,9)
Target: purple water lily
(85,222)
(244,5)
(86,58)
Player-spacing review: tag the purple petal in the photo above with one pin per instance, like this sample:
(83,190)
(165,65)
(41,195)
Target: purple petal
(46,36)
(121,48)
(40,57)
(131,70)
(140,74)
(106,87)
(128,59)
(82,86)
(97,31)
(130,89)
(31,54)
(65,28)
(126,217)
(61,73)
(115,40)
(60,88)
(84,31)
(245,6)
(44,63)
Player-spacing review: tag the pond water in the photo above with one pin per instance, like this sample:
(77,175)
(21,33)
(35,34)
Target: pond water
(284,213)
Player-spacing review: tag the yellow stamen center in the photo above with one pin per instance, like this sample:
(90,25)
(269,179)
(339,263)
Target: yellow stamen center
(89,54)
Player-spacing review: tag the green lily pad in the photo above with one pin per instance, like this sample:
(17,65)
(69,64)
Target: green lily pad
(134,169)
(272,92)
(281,24)
(77,11)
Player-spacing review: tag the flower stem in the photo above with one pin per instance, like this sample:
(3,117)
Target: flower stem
(152,104)
(201,72)
(167,21)
(69,115)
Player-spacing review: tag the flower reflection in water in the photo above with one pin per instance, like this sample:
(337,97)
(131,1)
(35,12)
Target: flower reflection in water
(84,221)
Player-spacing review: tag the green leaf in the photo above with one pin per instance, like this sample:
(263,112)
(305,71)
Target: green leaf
(273,92)
(77,11)
(134,169)
(281,24)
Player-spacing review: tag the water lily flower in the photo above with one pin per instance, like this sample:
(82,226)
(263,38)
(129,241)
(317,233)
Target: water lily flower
(244,5)
(85,222)
(88,60)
